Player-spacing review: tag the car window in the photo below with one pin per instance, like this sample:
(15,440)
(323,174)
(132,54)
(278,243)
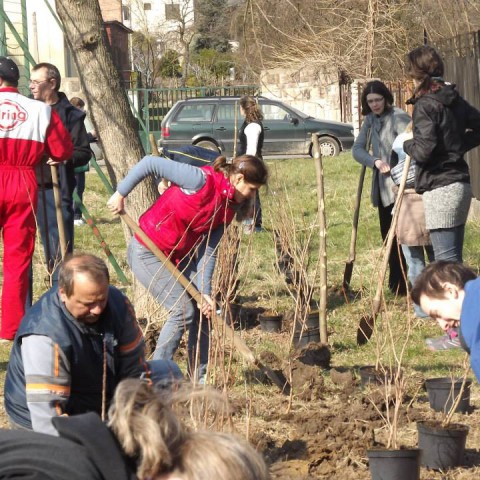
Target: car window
(226,111)
(275,112)
(201,112)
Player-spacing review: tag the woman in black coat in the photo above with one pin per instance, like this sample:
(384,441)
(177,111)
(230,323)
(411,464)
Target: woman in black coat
(445,127)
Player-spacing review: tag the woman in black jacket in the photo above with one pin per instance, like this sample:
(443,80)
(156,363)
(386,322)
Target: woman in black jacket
(445,126)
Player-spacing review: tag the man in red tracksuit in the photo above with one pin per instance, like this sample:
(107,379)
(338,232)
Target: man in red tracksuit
(28,130)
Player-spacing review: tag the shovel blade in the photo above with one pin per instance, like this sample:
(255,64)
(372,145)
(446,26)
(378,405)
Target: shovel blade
(365,329)
(274,377)
(347,275)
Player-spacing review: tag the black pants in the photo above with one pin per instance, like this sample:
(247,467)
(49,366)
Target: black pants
(396,280)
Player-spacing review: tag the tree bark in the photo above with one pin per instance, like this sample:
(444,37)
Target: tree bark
(106,97)
(109,107)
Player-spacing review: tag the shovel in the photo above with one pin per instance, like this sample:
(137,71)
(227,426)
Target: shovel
(233,337)
(347,273)
(58,210)
(367,322)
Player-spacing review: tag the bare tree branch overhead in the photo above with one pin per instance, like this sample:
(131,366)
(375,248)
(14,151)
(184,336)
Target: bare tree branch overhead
(365,38)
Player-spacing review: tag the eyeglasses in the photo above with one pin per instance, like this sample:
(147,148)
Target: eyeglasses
(36,83)
(375,100)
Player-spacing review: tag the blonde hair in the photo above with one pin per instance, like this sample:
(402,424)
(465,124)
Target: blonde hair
(215,455)
(147,428)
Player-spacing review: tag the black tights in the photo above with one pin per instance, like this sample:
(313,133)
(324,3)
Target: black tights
(396,280)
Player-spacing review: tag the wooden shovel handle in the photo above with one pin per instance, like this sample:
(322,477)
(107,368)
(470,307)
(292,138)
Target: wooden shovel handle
(390,236)
(356,215)
(57,196)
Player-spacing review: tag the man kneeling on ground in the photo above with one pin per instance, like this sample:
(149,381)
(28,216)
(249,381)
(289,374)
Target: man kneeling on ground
(449,292)
(74,346)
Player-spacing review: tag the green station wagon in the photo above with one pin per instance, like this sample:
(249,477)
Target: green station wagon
(210,123)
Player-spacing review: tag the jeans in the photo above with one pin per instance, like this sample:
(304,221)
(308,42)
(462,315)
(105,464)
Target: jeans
(183,312)
(53,254)
(448,243)
(80,188)
(164,371)
(415,258)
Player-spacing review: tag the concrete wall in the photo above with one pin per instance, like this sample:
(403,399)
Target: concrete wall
(45,35)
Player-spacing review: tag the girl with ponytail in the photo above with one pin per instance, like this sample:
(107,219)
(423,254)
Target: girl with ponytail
(187,223)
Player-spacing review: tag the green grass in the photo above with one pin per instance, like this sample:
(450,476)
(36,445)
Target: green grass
(293,188)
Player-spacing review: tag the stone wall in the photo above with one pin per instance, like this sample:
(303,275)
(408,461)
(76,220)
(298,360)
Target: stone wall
(315,94)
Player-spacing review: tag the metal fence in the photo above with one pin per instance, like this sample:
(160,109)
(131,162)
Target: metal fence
(461,55)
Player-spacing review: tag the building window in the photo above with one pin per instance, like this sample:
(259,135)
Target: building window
(126,14)
(172,11)
(147,6)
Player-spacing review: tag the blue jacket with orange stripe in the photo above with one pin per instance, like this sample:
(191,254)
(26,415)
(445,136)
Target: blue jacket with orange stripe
(68,374)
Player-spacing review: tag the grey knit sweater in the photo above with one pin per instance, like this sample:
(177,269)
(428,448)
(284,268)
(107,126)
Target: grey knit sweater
(447,207)
(385,129)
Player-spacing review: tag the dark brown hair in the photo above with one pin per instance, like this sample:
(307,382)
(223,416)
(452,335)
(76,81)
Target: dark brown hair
(431,282)
(378,87)
(252,111)
(52,73)
(93,266)
(423,63)
(252,168)
(77,102)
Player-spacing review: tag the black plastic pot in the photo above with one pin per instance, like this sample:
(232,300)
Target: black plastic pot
(394,464)
(442,393)
(442,447)
(270,323)
(308,331)
(311,322)
(301,339)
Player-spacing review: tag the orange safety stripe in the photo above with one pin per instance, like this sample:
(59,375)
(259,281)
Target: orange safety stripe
(56,360)
(48,386)
(132,345)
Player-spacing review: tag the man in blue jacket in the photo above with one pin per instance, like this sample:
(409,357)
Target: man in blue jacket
(74,346)
(449,292)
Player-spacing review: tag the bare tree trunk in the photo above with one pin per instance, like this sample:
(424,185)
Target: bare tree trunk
(107,99)
(370,45)
(322,232)
(109,107)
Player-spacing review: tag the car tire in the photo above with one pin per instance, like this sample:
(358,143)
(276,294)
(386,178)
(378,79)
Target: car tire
(208,145)
(329,147)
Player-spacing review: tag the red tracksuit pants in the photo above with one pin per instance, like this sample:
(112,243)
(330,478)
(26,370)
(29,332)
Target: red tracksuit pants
(18,202)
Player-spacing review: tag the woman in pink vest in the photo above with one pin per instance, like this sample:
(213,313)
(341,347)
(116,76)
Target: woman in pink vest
(187,223)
